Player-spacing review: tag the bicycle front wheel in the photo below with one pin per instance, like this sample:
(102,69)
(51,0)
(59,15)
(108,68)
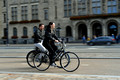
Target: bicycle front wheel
(70,61)
(41,61)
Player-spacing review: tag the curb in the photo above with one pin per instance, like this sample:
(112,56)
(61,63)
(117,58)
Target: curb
(51,76)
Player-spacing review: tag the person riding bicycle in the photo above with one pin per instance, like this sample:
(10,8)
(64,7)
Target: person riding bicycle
(49,40)
(39,37)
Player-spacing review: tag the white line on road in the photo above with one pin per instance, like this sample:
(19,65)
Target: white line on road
(92,48)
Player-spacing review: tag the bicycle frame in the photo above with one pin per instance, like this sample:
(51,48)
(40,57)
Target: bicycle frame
(62,51)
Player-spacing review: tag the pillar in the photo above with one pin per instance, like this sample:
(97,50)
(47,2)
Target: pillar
(89,33)
(104,29)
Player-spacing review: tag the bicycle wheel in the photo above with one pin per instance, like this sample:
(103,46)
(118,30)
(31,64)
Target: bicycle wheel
(70,61)
(42,61)
(66,57)
(30,57)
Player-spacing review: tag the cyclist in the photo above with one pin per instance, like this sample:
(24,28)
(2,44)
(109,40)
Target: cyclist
(50,38)
(38,38)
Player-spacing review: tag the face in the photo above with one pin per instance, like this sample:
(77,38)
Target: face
(41,27)
(53,26)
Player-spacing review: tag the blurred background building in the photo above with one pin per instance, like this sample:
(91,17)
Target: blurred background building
(73,18)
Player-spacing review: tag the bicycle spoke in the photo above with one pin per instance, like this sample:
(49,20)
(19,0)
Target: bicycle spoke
(41,62)
(70,62)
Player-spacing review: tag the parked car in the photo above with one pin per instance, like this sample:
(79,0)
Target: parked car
(101,40)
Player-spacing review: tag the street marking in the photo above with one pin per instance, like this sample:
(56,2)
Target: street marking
(92,48)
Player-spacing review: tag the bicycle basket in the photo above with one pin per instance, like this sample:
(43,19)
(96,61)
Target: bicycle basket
(59,45)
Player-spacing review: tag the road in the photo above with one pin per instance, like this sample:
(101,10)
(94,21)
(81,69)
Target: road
(88,66)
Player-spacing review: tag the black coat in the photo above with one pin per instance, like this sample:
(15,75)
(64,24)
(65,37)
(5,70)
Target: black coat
(50,37)
(38,36)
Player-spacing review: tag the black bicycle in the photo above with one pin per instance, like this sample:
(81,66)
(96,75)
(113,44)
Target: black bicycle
(69,61)
(31,55)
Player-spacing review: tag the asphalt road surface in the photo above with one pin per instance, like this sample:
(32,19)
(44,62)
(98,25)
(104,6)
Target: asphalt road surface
(88,66)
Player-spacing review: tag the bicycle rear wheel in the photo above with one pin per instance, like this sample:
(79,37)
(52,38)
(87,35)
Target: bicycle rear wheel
(30,57)
(41,62)
(70,61)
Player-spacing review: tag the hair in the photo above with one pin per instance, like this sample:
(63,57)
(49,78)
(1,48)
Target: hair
(50,23)
(40,25)
(48,28)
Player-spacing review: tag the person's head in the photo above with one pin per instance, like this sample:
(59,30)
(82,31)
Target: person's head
(52,25)
(41,26)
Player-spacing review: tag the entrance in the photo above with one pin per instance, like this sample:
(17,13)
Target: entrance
(112,28)
(82,30)
(97,29)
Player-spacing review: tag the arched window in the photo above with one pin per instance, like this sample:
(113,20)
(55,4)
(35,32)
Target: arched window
(14,31)
(68,31)
(24,31)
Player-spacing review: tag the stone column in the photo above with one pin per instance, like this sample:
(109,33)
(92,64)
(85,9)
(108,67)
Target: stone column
(89,31)
(119,28)
(104,29)
(74,32)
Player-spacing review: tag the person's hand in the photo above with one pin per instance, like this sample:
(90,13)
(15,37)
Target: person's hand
(56,41)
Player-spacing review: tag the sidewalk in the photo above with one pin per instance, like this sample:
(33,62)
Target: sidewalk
(51,76)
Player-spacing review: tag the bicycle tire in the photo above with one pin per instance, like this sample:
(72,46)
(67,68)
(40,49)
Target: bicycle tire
(41,62)
(67,64)
(58,63)
(30,57)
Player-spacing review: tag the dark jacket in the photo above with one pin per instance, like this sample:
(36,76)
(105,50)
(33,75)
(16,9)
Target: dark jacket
(50,36)
(38,36)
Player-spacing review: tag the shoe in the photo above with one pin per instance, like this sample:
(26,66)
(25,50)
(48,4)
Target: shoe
(53,64)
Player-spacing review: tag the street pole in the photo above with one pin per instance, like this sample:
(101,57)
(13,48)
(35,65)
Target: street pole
(7,26)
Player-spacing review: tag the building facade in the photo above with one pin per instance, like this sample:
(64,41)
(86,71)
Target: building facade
(0,20)
(75,18)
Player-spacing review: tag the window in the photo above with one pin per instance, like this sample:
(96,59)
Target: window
(14,31)
(82,7)
(112,6)
(55,12)
(24,31)
(46,14)
(4,15)
(5,31)
(14,13)
(34,12)
(68,31)
(96,6)
(24,12)
(4,3)
(67,8)
(74,7)
(96,10)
